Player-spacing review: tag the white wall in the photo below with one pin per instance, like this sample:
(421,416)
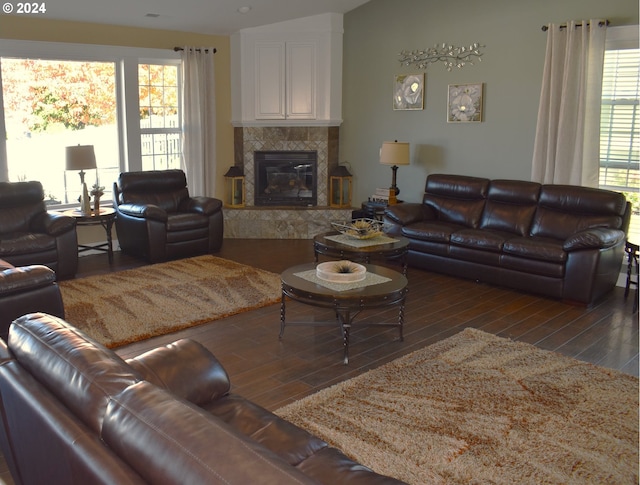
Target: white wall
(511,68)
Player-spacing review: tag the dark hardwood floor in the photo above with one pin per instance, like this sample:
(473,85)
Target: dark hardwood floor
(274,372)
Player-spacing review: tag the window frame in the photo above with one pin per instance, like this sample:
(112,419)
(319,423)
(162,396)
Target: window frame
(126,60)
(621,38)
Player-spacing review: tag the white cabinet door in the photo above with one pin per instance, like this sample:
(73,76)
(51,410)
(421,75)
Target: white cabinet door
(270,81)
(301,80)
(285,80)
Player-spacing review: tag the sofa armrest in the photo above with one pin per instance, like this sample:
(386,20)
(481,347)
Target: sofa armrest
(52,224)
(408,213)
(594,238)
(201,205)
(16,280)
(185,368)
(144,211)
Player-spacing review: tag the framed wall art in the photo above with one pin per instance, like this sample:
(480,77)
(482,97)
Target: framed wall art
(464,103)
(408,91)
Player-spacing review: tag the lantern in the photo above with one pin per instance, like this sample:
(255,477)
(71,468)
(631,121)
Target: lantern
(234,187)
(340,188)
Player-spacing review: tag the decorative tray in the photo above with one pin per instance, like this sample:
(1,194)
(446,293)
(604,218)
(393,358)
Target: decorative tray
(360,228)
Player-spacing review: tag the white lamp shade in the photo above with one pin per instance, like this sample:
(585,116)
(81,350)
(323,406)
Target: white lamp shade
(394,153)
(80,157)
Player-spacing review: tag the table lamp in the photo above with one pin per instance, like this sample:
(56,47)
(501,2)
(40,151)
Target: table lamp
(81,157)
(394,153)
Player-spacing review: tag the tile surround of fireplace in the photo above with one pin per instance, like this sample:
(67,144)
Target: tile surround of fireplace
(284,222)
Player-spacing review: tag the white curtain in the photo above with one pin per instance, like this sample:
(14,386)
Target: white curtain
(199,120)
(567,143)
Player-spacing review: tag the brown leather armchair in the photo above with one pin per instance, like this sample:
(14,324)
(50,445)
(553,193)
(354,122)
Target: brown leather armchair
(158,220)
(31,235)
(25,290)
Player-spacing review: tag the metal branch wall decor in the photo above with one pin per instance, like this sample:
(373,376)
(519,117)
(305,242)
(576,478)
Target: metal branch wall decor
(451,56)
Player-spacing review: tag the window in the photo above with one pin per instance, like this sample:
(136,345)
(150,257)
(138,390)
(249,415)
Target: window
(52,104)
(620,122)
(123,101)
(159,116)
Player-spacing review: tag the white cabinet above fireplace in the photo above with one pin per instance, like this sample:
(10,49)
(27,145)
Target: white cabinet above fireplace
(285,80)
(288,73)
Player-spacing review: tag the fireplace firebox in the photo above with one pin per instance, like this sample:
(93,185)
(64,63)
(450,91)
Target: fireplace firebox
(286,178)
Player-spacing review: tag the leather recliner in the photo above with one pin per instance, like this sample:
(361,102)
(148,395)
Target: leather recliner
(27,289)
(30,235)
(158,220)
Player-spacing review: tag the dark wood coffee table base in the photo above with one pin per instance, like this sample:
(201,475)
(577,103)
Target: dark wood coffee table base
(346,304)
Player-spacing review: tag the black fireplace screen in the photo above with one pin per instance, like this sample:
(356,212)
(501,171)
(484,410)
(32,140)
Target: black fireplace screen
(286,178)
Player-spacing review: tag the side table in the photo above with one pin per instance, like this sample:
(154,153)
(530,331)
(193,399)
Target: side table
(632,267)
(375,210)
(105,218)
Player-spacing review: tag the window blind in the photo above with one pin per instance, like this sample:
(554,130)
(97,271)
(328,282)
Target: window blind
(620,121)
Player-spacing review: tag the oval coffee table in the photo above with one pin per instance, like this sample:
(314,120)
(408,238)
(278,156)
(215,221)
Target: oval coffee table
(334,244)
(382,287)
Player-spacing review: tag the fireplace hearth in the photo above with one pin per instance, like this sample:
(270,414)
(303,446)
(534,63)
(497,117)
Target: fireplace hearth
(286,178)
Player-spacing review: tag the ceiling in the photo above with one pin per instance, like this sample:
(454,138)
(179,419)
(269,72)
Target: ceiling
(215,17)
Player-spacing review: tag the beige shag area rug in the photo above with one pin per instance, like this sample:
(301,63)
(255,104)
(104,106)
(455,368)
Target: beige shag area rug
(127,306)
(479,409)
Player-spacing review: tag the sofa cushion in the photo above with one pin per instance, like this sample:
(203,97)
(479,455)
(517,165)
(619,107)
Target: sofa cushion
(481,239)
(25,243)
(565,209)
(435,231)
(77,370)
(166,189)
(185,368)
(456,199)
(540,248)
(510,206)
(185,221)
(170,441)
(14,280)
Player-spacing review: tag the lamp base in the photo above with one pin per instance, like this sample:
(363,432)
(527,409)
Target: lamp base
(392,196)
(394,187)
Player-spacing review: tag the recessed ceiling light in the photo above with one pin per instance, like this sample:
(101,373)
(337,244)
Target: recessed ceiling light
(244,9)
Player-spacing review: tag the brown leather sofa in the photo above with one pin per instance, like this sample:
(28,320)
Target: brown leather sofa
(157,219)
(73,412)
(27,289)
(561,241)
(31,235)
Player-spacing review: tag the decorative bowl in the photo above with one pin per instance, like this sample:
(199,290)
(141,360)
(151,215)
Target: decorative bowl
(360,228)
(341,271)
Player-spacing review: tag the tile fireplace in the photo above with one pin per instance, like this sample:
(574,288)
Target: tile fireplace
(285,219)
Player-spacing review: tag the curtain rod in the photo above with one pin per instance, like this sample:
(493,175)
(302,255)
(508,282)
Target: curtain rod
(564,26)
(176,49)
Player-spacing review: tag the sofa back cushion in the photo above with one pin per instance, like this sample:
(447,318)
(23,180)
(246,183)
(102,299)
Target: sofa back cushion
(170,441)
(164,188)
(81,373)
(510,206)
(456,198)
(564,210)
(20,202)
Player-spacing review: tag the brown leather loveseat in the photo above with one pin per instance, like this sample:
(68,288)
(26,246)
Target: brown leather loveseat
(562,241)
(73,412)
